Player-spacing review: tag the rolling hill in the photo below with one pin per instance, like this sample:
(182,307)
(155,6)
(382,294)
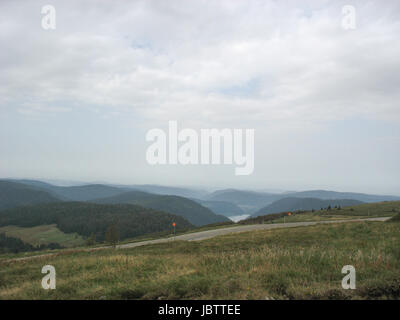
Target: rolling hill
(296,204)
(251,202)
(324,194)
(186,208)
(171,191)
(74,193)
(14,194)
(89,218)
(26,192)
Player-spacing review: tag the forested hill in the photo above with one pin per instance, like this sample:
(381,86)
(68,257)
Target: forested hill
(86,192)
(295,204)
(89,218)
(73,193)
(186,208)
(16,194)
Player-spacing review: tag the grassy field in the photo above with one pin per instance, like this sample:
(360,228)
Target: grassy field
(44,234)
(296,263)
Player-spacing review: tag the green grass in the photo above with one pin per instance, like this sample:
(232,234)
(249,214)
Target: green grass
(309,216)
(26,234)
(295,263)
(43,234)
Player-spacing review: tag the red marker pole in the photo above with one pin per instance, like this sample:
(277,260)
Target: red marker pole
(174,224)
(289,214)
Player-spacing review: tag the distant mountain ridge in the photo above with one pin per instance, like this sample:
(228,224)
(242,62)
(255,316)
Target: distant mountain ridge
(294,204)
(16,194)
(224,208)
(225,202)
(248,201)
(40,192)
(325,194)
(251,202)
(171,191)
(74,193)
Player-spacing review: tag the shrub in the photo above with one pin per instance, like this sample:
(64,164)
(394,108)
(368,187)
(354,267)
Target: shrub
(395,218)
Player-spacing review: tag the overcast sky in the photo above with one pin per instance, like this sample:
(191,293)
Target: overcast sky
(76,102)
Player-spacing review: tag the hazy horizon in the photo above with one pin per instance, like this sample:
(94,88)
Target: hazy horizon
(207,188)
(76,102)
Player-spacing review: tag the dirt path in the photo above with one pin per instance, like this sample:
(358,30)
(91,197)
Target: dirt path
(202,235)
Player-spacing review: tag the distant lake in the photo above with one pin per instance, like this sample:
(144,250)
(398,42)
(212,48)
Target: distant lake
(239,218)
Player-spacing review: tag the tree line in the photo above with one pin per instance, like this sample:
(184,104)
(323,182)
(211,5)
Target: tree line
(15,245)
(93,220)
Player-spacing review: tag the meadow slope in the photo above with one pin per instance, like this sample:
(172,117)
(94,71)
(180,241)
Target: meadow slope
(296,263)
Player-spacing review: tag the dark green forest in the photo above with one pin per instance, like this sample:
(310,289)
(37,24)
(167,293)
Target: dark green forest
(89,219)
(186,208)
(16,194)
(27,192)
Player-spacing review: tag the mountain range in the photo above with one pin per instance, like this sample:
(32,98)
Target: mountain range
(197,206)
(30,192)
(251,202)
(192,211)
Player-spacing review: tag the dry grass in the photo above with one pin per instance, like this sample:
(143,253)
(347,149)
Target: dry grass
(296,263)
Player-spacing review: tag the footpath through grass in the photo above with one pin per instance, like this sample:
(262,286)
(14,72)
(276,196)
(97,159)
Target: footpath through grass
(295,263)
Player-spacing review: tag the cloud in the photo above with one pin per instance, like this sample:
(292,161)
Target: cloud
(178,58)
(281,67)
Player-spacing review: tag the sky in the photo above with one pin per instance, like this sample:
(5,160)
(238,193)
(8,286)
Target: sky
(77,101)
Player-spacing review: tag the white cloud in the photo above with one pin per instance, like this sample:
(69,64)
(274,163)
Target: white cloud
(175,57)
(271,65)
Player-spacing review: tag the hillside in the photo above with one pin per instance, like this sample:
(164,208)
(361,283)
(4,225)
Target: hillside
(85,192)
(74,193)
(251,202)
(88,218)
(172,191)
(296,204)
(364,210)
(324,194)
(225,208)
(186,208)
(304,263)
(14,194)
